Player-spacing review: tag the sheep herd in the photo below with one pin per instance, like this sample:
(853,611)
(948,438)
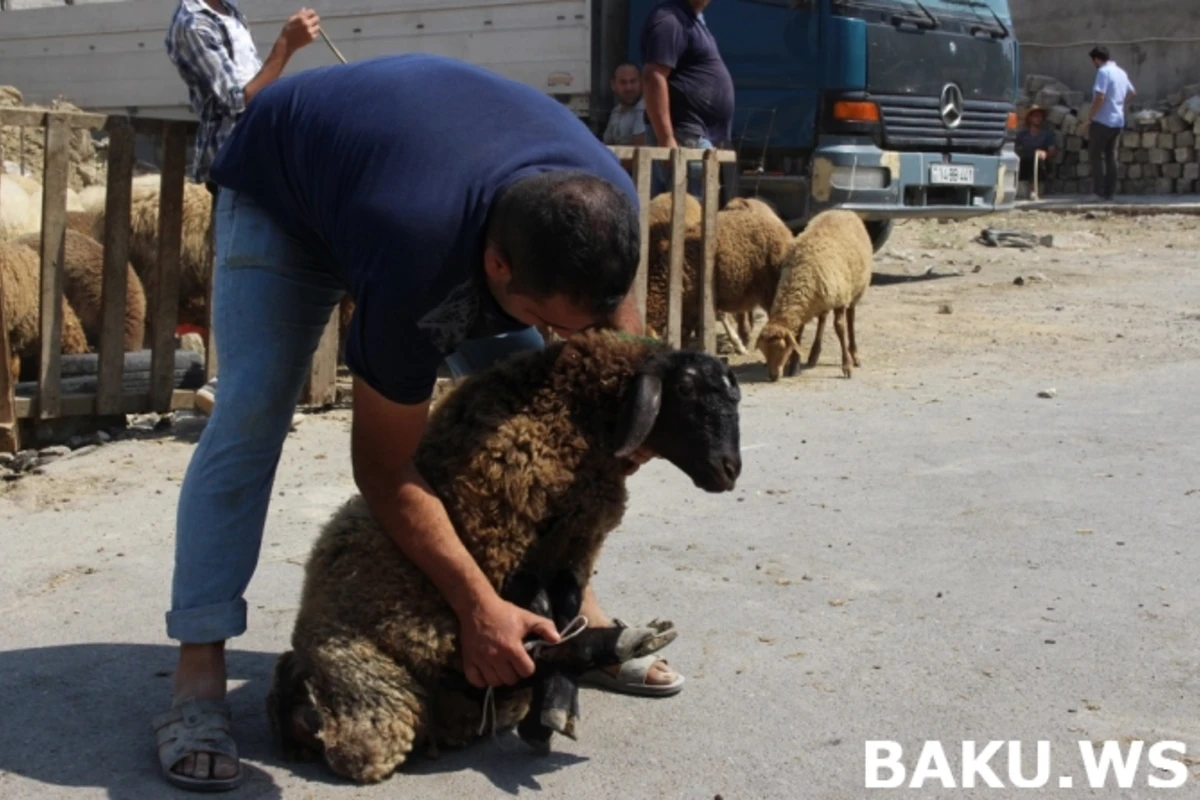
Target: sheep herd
(83,266)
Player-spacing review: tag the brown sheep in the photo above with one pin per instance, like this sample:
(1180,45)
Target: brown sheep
(752,242)
(530,459)
(195,257)
(83,277)
(20,285)
(661,211)
(84,222)
(828,269)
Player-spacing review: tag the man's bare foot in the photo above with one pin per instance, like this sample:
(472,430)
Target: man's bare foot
(659,673)
(200,674)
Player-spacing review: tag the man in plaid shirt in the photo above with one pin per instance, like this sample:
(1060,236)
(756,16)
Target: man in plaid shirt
(209,42)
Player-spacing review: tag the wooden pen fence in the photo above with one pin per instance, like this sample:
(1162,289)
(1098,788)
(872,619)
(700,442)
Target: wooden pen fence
(111,395)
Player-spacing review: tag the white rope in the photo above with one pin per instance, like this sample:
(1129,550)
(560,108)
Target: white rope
(534,649)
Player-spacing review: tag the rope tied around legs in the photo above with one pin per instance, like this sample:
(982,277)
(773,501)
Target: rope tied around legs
(573,629)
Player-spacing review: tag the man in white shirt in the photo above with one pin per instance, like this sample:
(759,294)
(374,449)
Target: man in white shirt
(627,122)
(1111,93)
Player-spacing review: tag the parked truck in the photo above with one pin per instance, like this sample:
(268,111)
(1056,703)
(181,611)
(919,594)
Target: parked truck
(892,108)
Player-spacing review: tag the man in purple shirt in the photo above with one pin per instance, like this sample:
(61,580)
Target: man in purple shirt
(688,89)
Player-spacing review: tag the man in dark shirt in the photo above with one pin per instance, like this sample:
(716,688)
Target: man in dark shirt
(688,89)
(371,178)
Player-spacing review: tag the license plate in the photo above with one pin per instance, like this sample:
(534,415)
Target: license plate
(952,173)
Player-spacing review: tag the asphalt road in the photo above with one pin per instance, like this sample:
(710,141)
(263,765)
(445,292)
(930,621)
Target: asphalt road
(934,556)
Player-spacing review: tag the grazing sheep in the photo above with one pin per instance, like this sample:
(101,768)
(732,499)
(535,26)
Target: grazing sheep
(20,279)
(530,460)
(83,277)
(195,256)
(752,243)
(828,269)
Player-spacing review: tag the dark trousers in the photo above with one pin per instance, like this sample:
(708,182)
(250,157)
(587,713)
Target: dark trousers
(1102,146)
(1025,173)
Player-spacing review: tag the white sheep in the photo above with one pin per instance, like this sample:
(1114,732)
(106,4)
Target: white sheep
(827,269)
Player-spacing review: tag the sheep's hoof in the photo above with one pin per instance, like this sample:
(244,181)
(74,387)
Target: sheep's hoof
(846,371)
(638,642)
(857,361)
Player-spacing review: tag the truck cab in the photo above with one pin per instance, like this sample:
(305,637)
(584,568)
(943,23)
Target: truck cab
(890,108)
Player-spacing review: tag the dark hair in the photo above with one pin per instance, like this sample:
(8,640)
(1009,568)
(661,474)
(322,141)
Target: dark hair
(568,233)
(625,64)
(1100,52)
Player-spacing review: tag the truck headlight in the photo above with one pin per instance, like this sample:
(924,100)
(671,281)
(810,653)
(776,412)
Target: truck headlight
(859,178)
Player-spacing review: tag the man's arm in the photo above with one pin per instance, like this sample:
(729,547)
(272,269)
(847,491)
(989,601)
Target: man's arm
(663,42)
(384,438)
(201,47)
(658,104)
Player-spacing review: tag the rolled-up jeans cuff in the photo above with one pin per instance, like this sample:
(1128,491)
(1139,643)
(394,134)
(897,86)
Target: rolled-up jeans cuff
(207,624)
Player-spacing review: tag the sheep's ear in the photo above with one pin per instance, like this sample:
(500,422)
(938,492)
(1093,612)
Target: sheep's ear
(639,412)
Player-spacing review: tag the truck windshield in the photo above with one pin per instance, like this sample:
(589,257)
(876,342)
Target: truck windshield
(987,15)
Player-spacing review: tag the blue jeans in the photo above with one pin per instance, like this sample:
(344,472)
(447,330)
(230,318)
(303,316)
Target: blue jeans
(658,173)
(272,298)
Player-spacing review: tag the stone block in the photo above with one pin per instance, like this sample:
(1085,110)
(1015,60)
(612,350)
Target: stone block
(1141,156)
(1164,186)
(1084,170)
(1122,171)
(1151,171)
(1191,172)
(1070,125)
(1135,171)
(1160,156)
(1074,144)
(1131,139)
(1172,171)
(1185,187)
(1184,155)
(1069,157)
(1125,156)
(1149,140)
(1185,139)
(1166,141)
(1173,123)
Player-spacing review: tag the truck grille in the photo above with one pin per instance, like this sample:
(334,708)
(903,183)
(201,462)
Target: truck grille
(914,123)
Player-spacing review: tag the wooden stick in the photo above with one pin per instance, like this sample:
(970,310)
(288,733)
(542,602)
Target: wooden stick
(56,180)
(9,438)
(166,301)
(642,166)
(708,271)
(117,200)
(675,332)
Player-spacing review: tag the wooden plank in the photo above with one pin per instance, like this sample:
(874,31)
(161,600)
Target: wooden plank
(321,389)
(9,438)
(116,261)
(149,126)
(708,271)
(84,405)
(39,118)
(626,152)
(675,333)
(642,166)
(55,181)
(166,300)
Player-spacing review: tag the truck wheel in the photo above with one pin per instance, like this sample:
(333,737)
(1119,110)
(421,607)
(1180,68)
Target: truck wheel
(879,230)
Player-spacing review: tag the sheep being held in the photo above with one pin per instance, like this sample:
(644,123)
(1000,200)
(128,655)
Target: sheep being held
(530,460)
(827,269)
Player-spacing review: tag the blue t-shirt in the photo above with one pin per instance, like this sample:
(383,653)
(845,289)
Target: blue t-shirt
(700,87)
(387,168)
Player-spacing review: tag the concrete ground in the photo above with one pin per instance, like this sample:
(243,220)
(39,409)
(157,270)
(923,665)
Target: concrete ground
(929,551)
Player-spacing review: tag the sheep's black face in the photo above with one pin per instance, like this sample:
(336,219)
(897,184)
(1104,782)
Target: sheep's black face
(684,408)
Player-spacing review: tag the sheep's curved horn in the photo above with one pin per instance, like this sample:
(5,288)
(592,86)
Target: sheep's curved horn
(639,413)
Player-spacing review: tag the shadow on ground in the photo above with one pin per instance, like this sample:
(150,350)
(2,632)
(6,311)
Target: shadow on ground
(889,279)
(78,717)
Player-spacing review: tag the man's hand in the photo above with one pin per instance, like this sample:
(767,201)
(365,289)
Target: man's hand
(492,637)
(301,29)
